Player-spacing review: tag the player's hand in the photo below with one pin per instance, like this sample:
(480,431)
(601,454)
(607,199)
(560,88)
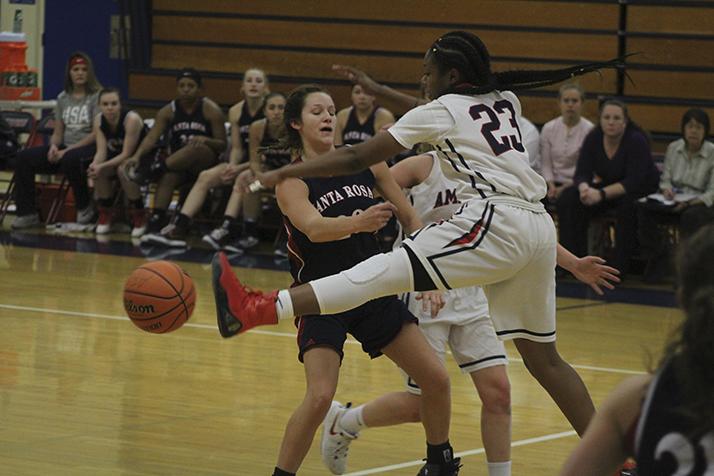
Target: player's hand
(53,154)
(243,181)
(375,217)
(357,76)
(431,301)
(270,179)
(593,271)
(590,197)
(229,174)
(94,170)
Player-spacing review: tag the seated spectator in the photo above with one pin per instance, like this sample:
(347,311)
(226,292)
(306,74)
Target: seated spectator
(196,138)
(561,138)
(71,146)
(688,180)
(614,169)
(268,151)
(225,236)
(664,419)
(247,111)
(362,119)
(118,133)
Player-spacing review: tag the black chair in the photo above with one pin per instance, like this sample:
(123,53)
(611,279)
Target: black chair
(21,123)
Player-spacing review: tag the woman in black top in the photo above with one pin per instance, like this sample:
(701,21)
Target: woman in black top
(331,224)
(118,133)
(665,419)
(614,169)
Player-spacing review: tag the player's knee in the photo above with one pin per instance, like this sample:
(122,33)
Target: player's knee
(319,400)
(436,383)
(496,398)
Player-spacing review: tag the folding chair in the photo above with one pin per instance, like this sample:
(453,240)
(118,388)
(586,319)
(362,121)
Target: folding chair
(22,123)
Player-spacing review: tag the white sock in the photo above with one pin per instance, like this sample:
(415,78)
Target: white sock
(352,421)
(284,305)
(499,469)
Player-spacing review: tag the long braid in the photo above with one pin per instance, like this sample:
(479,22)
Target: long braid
(466,52)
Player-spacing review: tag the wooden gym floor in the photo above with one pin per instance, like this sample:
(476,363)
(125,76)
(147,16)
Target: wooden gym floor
(84,392)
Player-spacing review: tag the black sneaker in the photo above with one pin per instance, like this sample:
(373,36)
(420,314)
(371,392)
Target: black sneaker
(171,235)
(217,238)
(450,468)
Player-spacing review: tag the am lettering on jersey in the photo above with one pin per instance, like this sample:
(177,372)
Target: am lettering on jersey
(446,197)
(347,191)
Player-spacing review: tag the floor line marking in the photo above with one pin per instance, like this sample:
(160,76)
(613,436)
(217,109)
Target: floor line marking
(476,451)
(271,333)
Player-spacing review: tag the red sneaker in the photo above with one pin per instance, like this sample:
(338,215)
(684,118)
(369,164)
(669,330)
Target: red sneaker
(239,308)
(138,222)
(629,468)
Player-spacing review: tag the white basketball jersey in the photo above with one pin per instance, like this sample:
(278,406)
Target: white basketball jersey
(437,198)
(479,143)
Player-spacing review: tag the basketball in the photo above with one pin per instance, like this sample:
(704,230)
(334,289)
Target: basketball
(159,297)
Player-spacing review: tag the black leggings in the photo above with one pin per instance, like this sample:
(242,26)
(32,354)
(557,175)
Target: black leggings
(33,161)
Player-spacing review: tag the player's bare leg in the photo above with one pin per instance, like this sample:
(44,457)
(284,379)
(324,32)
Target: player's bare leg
(322,366)
(560,380)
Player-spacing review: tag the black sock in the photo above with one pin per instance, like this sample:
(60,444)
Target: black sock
(250,227)
(182,221)
(228,222)
(280,472)
(138,203)
(105,202)
(439,454)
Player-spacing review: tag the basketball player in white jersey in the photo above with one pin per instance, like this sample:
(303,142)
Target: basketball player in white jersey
(501,238)
(462,324)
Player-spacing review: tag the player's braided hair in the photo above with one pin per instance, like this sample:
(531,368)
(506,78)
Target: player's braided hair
(466,53)
(692,350)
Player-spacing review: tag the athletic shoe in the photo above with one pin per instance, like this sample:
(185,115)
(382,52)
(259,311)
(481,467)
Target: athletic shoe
(217,238)
(248,241)
(450,468)
(239,308)
(85,216)
(170,235)
(629,468)
(104,224)
(26,221)
(138,222)
(335,441)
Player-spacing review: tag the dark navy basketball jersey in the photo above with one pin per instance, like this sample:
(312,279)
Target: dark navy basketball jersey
(333,197)
(115,139)
(183,126)
(274,157)
(244,122)
(664,444)
(354,132)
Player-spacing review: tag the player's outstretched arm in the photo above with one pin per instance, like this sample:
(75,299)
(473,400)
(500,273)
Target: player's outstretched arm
(342,161)
(591,270)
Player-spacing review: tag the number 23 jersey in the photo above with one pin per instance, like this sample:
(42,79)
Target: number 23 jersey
(479,141)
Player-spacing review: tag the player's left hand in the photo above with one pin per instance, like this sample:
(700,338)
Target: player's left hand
(431,301)
(593,271)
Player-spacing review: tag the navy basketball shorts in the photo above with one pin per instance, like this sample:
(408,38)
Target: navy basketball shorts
(374,324)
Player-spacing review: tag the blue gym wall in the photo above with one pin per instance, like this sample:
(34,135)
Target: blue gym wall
(79,25)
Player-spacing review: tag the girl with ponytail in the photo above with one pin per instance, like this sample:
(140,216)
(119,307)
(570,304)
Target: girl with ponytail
(665,419)
(500,236)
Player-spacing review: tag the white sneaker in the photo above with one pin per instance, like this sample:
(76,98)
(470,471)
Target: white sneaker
(335,441)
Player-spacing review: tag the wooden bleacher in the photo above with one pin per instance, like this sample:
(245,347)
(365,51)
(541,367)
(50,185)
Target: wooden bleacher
(297,42)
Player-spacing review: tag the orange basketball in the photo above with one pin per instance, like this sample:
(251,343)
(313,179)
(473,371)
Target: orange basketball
(159,297)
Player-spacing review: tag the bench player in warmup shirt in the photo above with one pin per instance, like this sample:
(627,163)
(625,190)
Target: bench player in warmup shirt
(665,419)
(197,136)
(463,325)
(331,224)
(362,119)
(118,132)
(503,239)
(266,153)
